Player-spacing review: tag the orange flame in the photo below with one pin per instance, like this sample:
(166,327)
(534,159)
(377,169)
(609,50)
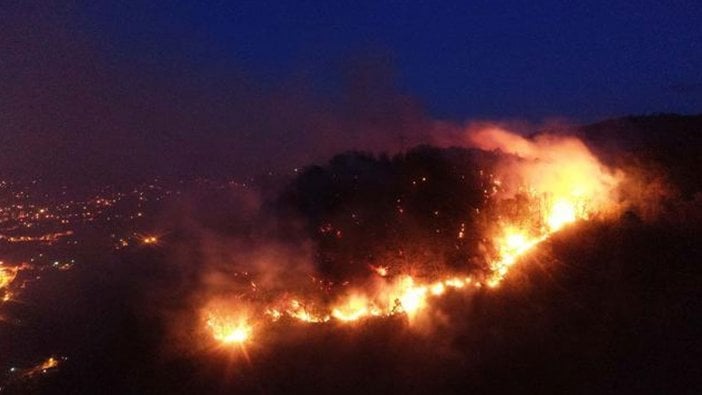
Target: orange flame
(228,329)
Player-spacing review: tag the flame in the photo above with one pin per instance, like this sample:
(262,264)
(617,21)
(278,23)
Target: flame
(513,244)
(355,308)
(299,311)
(560,176)
(562,166)
(228,329)
(562,213)
(411,298)
(397,296)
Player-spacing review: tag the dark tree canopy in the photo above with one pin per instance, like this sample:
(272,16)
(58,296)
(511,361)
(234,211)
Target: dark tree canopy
(406,210)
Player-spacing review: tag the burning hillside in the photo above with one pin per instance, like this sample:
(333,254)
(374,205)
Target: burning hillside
(394,235)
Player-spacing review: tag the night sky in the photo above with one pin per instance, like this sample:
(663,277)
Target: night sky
(463,59)
(221,85)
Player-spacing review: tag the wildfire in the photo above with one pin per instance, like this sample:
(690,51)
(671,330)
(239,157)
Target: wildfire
(562,181)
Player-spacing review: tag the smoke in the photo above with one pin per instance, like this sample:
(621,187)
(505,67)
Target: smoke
(554,163)
(226,246)
(414,212)
(77,108)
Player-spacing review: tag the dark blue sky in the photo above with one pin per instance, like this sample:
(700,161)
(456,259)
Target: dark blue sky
(484,59)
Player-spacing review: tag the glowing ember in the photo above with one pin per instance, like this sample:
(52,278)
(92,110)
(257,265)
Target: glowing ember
(382,271)
(149,240)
